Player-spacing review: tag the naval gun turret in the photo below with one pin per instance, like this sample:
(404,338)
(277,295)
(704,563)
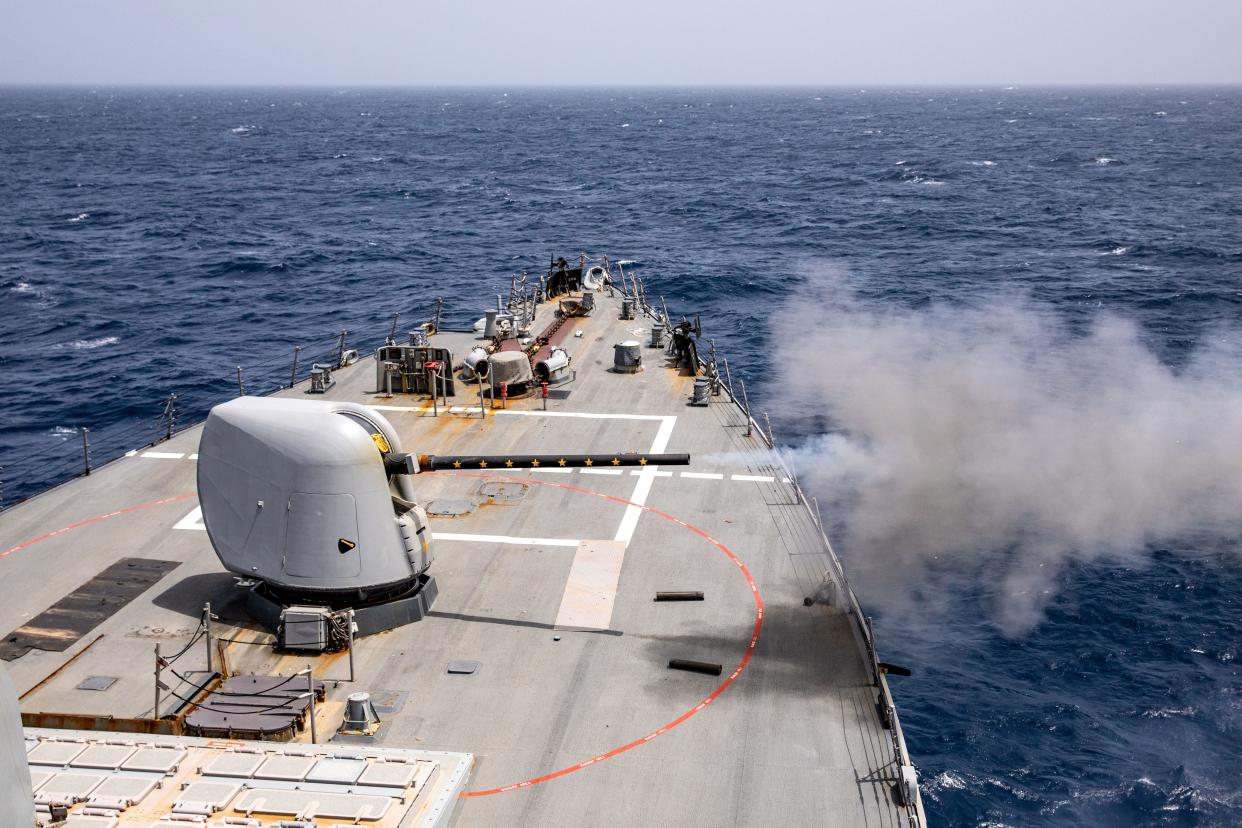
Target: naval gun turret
(312,505)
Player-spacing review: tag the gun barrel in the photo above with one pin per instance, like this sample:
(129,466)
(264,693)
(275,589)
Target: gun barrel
(455,462)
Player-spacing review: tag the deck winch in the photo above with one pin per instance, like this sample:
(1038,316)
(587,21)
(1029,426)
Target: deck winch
(312,504)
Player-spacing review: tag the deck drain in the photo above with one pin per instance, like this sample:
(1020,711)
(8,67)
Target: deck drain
(463,668)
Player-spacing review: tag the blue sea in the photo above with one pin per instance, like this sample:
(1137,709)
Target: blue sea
(991,306)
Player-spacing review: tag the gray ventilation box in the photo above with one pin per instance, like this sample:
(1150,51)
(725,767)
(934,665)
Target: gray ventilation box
(304,628)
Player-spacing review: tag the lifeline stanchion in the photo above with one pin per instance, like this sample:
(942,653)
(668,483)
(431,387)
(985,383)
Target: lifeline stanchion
(293,375)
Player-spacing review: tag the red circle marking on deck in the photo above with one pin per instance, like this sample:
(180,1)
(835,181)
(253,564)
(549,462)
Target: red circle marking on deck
(711,697)
(95,519)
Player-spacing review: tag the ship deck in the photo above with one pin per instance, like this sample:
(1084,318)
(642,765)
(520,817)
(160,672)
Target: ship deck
(573,716)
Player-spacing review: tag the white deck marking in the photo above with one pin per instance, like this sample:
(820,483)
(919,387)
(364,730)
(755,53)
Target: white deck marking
(586,415)
(164,455)
(131,452)
(194,520)
(652,472)
(457,536)
(591,589)
(195,457)
(754,478)
(553,471)
(704,475)
(629,522)
(601,471)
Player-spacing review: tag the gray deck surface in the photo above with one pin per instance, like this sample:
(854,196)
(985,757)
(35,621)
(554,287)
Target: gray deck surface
(794,740)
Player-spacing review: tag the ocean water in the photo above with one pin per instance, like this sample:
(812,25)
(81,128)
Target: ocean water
(153,241)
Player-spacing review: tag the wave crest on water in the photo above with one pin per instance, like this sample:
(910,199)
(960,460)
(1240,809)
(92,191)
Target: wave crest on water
(92,344)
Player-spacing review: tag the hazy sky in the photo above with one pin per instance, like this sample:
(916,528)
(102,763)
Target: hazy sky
(627,42)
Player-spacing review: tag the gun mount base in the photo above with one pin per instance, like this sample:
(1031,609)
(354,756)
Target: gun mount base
(266,606)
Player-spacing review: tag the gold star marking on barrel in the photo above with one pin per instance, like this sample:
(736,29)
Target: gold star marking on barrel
(560,462)
(534,464)
(457,464)
(642,461)
(589,461)
(509,463)
(482,464)
(616,461)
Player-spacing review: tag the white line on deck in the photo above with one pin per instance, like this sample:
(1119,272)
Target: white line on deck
(591,588)
(629,522)
(194,520)
(754,478)
(553,471)
(456,536)
(587,415)
(193,457)
(651,472)
(704,475)
(164,455)
(601,471)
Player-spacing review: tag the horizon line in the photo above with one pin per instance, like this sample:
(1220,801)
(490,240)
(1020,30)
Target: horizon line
(991,86)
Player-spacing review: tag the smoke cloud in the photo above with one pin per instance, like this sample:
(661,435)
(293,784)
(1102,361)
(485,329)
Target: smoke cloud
(996,440)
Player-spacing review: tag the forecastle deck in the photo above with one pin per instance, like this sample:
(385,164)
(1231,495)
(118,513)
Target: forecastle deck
(573,717)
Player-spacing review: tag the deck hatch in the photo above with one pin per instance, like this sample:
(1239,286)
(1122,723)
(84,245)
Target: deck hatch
(58,627)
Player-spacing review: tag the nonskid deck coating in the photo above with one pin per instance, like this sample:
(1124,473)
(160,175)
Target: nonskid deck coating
(796,738)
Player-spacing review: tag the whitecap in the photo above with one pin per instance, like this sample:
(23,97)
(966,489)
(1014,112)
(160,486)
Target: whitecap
(244,129)
(92,344)
(623,126)
(627,262)
(63,432)
(80,217)
(983,163)
(1104,161)
(1160,114)
(950,780)
(1011,120)
(1120,250)
(22,287)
